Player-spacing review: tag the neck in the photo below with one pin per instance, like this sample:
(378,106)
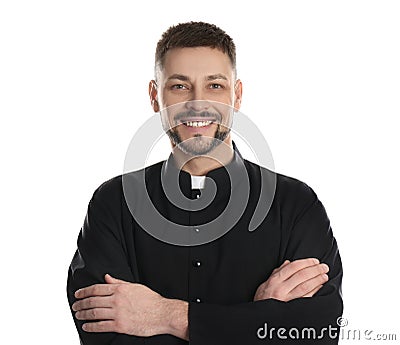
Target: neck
(201,165)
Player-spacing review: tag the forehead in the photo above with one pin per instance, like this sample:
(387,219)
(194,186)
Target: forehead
(197,61)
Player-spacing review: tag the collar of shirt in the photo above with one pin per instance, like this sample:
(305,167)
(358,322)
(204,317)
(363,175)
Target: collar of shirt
(197,181)
(225,177)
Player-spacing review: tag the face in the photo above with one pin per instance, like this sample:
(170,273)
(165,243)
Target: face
(196,92)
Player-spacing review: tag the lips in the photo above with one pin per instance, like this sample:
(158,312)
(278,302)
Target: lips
(197,123)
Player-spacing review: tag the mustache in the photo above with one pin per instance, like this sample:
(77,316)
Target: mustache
(185,115)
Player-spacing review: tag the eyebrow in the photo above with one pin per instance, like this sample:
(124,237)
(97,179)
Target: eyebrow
(217,76)
(179,77)
(186,78)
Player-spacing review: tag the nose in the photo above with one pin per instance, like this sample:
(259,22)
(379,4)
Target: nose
(197,105)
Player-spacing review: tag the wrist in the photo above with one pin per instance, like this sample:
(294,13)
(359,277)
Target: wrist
(176,312)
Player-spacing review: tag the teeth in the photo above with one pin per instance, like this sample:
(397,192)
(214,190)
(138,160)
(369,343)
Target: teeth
(198,123)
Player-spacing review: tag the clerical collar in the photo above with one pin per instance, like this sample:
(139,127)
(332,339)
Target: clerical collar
(220,175)
(237,159)
(197,181)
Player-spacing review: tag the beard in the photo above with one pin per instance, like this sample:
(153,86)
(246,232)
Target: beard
(199,144)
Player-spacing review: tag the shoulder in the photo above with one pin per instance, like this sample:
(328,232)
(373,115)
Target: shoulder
(288,187)
(111,190)
(289,191)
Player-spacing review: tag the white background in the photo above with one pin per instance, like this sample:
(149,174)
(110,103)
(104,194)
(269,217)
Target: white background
(321,80)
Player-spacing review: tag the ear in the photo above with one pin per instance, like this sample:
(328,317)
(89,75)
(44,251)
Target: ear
(238,94)
(153,96)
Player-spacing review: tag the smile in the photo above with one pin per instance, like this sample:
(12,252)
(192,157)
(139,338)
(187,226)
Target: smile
(197,123)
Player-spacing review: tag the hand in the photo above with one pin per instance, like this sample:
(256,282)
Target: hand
(291,280)
(129,308)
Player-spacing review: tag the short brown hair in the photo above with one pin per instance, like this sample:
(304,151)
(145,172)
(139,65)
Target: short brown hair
(195,34)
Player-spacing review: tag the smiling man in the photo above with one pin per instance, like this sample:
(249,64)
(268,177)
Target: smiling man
(195,80)
(128,286)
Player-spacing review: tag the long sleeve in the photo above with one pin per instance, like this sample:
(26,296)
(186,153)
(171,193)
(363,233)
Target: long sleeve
(100,251)
(222,275)
(309,235)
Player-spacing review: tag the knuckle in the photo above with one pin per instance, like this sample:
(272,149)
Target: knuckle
(115,301)
(305,288)
(273,292)
(302,275)
(76,306)
(274,278)
(273,284)
(296,264)
(279,295)
(276,270)
(119,289)
(89,302)
(122,288)
(295,267)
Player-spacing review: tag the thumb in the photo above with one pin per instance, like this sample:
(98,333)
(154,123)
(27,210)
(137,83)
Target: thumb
(111,280)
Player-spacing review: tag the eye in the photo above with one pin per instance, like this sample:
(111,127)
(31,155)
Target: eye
(178,87)
(216,86)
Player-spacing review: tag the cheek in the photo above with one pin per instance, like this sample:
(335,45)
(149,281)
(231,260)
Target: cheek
(171,99)
(226,98)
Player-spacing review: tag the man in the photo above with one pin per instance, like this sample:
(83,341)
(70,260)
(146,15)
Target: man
(277,284)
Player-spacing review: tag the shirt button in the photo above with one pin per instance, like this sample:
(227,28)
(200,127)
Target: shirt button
(196,263)
(197,230)
(198,300)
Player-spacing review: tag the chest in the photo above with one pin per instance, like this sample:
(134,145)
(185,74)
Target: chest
(226,270)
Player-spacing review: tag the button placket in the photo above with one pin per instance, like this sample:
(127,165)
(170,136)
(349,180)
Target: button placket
(196,263)
(196,274)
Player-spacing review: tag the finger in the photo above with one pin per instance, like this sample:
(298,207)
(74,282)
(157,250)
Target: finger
(93,302)
(281,266)
(284,263)
(111,280)
(305,275)
(313,292)
(290,269)
(95,290)
(95,314)
(100,326)
(307,286)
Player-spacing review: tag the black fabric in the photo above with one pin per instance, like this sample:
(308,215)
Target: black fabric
(221,289)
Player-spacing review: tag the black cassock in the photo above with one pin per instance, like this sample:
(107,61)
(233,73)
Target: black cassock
(218,278)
